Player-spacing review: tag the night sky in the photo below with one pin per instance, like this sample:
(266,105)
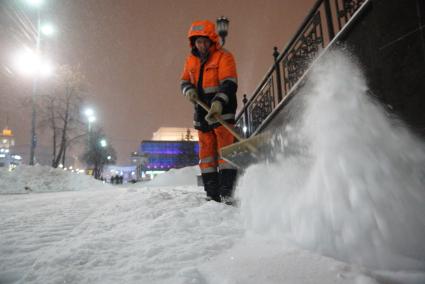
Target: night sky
(132,54)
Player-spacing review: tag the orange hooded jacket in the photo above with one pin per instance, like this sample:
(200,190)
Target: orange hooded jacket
(214,78)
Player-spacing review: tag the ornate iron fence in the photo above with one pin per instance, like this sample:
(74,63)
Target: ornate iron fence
(316,32)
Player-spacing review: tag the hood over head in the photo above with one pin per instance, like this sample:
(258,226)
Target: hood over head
(203,28)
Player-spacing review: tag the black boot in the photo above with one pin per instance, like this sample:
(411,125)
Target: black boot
(227,179)
(211,186)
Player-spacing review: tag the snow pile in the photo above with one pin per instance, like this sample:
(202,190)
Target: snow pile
(350,183)
(25,179)
(176,177)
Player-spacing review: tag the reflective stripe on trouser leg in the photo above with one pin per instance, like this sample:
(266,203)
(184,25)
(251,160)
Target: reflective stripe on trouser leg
(224,138)
(207,152)
(208,163)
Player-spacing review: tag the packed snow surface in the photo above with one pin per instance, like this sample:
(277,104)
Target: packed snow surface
(343,203)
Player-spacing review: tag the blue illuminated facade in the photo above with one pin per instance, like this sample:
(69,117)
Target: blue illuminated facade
(165,155)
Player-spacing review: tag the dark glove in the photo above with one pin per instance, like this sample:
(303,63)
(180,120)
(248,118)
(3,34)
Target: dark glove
(215,110)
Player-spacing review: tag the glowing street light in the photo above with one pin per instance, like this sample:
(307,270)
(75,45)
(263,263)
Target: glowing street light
(103,143)
(35,3)
(30,63)
(109,157)
(48,29)
(89,113)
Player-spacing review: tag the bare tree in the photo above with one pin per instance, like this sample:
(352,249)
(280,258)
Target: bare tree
(60,111)
(96,155)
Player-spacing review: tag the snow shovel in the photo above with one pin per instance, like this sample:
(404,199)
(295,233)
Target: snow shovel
(242,153)
(247,151)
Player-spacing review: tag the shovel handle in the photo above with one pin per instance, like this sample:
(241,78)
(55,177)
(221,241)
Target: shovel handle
(220,120)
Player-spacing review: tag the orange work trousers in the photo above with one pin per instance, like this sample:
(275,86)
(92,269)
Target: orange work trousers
(209,145)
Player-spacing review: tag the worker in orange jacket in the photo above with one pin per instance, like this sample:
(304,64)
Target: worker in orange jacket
(210,76)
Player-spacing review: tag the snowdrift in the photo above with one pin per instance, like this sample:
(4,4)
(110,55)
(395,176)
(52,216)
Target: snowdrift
(176,177)
(26,179)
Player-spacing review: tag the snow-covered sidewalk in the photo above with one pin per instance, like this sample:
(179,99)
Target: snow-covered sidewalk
(146,235)
(32,224)
(115,236)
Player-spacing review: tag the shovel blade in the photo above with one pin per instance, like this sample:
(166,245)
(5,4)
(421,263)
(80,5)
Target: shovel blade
(249,151)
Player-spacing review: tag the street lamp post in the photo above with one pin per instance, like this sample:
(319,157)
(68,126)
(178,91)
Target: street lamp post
(37,69)
(99,163)
(34,92)
(29,62)
(89,113)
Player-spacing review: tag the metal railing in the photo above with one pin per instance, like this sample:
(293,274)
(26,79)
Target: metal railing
(317,31)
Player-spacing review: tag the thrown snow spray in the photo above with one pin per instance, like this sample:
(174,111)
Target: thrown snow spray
(354,187)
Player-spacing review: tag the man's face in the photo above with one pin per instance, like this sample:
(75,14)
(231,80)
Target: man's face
(202,44)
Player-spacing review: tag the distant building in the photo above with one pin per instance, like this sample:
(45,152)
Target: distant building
(7,156)
(170,148)
(175,134)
